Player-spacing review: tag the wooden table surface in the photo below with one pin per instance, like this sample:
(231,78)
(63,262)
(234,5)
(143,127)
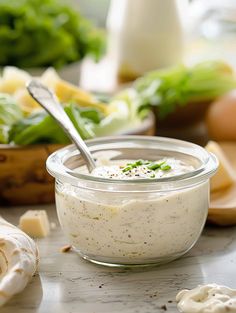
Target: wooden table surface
(67,283)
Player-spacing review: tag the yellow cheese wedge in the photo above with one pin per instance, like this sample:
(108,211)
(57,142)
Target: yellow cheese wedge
(35,223)
(67,92)
(50,78)
(225,176)
(13,79)
(25,101)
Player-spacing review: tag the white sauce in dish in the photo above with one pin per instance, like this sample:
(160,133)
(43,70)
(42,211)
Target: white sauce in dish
(133,227)
(115,171)
(209,298)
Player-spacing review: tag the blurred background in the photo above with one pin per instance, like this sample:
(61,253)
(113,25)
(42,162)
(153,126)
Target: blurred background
(118,67)
(211,21)
(95,10)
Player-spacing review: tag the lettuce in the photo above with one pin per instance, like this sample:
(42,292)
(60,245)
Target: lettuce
(42,128)
(177,86)
(41,33)
(9,114)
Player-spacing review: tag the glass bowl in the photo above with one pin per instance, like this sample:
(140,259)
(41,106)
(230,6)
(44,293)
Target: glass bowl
(132,222)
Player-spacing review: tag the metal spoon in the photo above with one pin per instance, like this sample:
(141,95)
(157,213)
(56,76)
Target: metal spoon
(48,101)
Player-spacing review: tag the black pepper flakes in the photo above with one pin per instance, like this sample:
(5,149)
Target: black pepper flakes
(164,307)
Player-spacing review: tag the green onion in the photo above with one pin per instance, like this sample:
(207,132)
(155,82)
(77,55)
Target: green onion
(154,166)
(165,167)
(134,165)
(150,165)
(126,169)
(139,162)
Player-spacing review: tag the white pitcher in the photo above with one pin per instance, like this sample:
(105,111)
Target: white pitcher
(145,34)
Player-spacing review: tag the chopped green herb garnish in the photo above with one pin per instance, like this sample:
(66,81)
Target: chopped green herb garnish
(153,176)
(126,169)
(134,165)
(140,162)
(165,167)
(150,165)
(154,166)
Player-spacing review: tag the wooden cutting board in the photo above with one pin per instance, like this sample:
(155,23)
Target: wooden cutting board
(222,210)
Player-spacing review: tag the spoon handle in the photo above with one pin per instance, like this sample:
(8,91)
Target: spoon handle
(48,101)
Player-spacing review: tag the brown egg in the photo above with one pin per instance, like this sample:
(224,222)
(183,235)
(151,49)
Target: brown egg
(221,118)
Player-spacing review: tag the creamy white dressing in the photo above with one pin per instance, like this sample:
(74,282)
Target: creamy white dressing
(211,298)
(132,227)
(116,171)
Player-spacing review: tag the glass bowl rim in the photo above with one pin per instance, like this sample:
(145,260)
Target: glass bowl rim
(55,163)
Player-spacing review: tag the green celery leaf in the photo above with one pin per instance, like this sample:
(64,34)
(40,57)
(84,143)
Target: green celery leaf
(177,86)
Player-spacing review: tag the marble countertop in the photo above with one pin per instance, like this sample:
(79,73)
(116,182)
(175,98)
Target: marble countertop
(67,283)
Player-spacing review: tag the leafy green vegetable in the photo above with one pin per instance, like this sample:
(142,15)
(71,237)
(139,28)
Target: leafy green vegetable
(9,114)
(41,33)
(124,114)
(41,127)
(180,85)
(83,127)
(90,122)
(91,114)
(9,110)
(4,133)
